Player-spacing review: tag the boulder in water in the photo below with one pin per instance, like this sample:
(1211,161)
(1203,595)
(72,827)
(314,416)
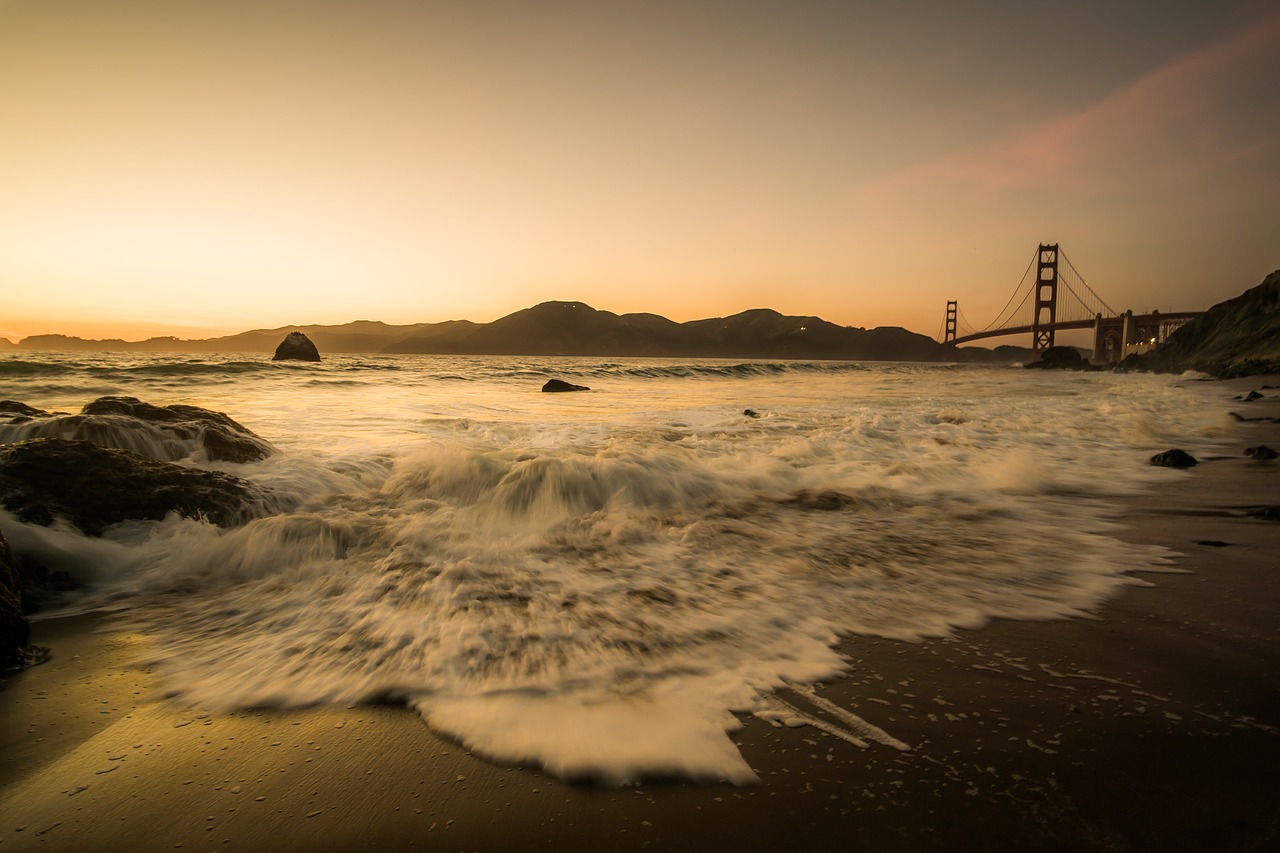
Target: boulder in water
(1061,358)
(1174,458)
(167,433)
(296,347)
(21,410)
(93,487)
(1261,452)
(561,385)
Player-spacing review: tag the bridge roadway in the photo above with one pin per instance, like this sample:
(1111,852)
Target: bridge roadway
(1111,334)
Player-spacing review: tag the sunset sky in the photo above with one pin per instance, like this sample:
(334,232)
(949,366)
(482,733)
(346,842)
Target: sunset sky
(194,167)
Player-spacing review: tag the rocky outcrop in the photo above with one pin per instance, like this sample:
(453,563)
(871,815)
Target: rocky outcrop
(166,433)
(15,410)
(556,385)
(15,633)
(1239,337)
(296,347)
(93,487)
(1061,358)
(1174,458)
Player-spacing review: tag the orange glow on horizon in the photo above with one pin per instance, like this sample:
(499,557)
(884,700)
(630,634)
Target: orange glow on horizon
(210,169)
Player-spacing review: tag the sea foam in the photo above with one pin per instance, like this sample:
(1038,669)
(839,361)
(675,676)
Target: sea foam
(596,586)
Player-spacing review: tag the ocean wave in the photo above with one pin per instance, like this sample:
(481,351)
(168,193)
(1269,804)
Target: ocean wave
(592,588)
(639,587)
(744,369)
(16,368)
(195,369)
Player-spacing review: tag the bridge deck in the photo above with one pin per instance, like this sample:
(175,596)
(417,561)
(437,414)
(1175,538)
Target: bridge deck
(1079,324)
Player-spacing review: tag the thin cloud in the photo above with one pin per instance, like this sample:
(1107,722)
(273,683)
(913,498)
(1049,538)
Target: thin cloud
(1209,107)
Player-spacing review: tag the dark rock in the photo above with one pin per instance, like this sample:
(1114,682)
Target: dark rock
(1261,452)
(13,407)
(41,586)
(1251,396)
(1174,458)
(166,433)
(1213,543)
(224,438)
(1267,513)
(296,347)
(1061,358)
(751,413)
(93,487)
(561,385)
(15,633)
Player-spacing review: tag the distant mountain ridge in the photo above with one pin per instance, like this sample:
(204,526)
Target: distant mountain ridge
(577,329)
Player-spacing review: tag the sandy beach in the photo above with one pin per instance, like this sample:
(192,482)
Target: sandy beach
(1154,726)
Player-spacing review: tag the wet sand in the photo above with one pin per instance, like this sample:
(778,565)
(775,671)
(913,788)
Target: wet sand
(1155,726)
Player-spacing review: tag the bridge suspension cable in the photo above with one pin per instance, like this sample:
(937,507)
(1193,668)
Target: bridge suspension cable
(1085,297)
(1051,311)
(1001,320)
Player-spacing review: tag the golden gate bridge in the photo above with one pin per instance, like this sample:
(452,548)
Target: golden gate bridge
(1058,298)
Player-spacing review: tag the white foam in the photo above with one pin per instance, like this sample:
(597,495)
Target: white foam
(595,589)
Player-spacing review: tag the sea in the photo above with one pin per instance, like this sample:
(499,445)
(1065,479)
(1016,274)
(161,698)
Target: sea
(606,584)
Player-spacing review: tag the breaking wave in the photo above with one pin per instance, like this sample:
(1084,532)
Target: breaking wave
(597,588)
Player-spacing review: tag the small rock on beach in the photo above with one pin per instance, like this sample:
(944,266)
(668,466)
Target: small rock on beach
(1174,458)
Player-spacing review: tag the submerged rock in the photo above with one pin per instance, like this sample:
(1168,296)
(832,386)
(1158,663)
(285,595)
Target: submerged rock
(824,500)
(93,487)
(13,407)
(296,347)
(1174,458)
(561,385)
(15,632)
(1260,452)
(751,413)
(166,433)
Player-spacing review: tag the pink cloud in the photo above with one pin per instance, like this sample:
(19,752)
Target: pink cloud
(1209,107)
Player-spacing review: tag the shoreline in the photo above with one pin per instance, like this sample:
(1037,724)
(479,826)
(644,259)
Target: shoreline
(1154,725)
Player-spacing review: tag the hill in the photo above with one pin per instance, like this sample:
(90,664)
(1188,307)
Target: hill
(574,328)
(577,329)
(1239,337)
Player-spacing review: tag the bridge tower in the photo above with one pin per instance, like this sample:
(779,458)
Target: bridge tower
(949,336)
(1046,297)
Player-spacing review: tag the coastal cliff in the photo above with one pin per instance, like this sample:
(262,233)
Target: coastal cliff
(1239,337)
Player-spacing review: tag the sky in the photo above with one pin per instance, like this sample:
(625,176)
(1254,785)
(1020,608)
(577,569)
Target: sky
(201,167)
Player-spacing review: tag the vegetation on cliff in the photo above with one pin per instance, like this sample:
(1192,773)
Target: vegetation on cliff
(1239,337)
